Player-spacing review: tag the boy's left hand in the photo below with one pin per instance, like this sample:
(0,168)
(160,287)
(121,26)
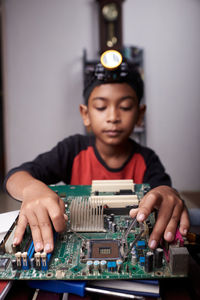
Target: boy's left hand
(171,211)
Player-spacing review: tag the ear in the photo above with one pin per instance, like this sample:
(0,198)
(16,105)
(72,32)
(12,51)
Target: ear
(141,113)
(84,114)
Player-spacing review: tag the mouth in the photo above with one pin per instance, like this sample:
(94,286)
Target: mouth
(112,133)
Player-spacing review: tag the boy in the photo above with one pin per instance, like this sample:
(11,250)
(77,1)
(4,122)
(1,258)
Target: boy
(112,110)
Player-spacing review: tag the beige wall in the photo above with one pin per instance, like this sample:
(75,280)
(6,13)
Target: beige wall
(44,42)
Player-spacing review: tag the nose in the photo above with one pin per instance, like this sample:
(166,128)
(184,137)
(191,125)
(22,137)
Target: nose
(113,115)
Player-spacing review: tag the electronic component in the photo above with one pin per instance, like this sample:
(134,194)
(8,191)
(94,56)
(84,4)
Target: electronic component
(96,265)
(116,200)
(149,261)
(179,260)
(4,263)
(158,257)
(90,265)
(6,244)
(18,256)
(86,216)
(112,185)
(9,243)
(104,249)
(103,265)
(24,260)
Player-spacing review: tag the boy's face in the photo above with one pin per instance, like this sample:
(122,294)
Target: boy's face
(112,112)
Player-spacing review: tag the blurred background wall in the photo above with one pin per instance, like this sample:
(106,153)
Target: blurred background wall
(43,48)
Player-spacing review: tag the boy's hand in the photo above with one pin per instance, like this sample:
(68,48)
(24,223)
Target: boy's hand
(40,209)
(171,211)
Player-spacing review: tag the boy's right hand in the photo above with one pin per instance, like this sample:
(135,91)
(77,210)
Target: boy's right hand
(41,208)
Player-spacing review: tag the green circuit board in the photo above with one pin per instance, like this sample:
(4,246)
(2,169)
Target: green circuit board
(104,250)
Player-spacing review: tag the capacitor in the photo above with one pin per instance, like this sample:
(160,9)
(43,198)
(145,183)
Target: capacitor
(110,225)
(103,265)
(112,217)
(108,218)
(159,258)
(133,251)
(141,244)
(14,264)
(96,265)
(112,266)
(127,223)
(142,260)
(119,263)
(90,265)
(133,259)
(149,261)
(114,227)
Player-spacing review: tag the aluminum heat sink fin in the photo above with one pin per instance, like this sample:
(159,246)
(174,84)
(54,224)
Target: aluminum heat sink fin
(86,216)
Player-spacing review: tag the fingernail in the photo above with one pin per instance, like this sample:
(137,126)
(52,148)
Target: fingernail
(185,231)
(15,241)
(169,236)
(153,244)
(141,217)
(48,247)
(65,217)
(38,247)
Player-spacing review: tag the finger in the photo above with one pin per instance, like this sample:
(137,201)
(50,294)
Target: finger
(62,205)
(133,212)
(35,230)
(147,204)
(184,222)
(160,225)
(57,217)
(20,229)
(46,230)
(171,228)
(65,217)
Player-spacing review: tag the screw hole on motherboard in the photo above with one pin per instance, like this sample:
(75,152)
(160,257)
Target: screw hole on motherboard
(159,273)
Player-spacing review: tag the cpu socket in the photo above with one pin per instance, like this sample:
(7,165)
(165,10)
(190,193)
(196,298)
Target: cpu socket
(104,249)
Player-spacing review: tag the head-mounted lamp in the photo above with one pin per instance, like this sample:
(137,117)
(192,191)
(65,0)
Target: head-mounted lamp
(112,69)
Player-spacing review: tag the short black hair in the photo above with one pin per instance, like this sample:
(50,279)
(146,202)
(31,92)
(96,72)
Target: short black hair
(125,73)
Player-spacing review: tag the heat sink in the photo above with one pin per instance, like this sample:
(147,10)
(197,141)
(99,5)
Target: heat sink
(86,216)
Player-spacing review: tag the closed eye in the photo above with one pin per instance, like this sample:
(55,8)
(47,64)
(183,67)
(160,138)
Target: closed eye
(101,108)
(125,108)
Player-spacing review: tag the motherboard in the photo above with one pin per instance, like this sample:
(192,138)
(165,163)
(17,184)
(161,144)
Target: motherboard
(101,241)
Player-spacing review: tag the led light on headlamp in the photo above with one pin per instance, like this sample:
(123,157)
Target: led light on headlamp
(111,67)
(111,59)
